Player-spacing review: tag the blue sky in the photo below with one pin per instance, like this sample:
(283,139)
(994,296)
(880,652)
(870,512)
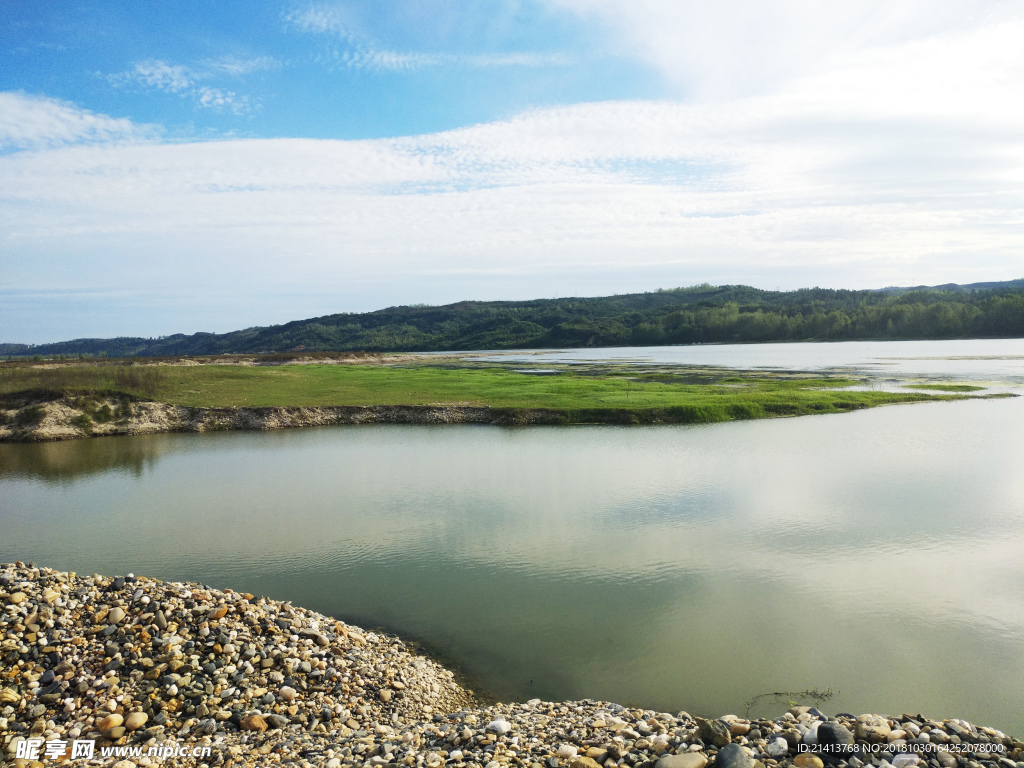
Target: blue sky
(329,71)
(170,166)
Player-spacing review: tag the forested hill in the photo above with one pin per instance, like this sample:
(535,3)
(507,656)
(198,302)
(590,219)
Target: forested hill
(704,313)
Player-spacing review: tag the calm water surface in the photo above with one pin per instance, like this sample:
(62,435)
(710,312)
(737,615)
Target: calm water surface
(878,553)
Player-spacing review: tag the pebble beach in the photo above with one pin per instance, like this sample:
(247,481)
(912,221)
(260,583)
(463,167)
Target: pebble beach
(144,671)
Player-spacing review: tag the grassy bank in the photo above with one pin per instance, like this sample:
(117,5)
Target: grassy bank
(582,393)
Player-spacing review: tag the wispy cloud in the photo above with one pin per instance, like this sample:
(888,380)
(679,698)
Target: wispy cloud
(230,65)
(157,74)
(361,53)
(362,58)
(188,81)
(215,98)
(391,61)
(318,19)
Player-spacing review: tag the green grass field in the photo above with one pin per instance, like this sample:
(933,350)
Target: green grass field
(706,397)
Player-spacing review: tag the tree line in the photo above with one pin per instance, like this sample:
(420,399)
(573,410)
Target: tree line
(698,314)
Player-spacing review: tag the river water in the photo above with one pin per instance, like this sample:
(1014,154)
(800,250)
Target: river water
(879,554)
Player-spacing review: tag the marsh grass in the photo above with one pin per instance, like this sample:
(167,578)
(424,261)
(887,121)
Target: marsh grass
(945,387)
(578,395)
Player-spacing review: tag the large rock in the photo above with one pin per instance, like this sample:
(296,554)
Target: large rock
(714,732)
(733,756)
(872,728)
(834,733)
(685,760)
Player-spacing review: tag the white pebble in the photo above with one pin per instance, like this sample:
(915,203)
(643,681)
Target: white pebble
(501,727)
(566,752)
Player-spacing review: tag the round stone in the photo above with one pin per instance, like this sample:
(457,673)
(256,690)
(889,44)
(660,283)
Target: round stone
(136,720)
(110,721)
(714,732)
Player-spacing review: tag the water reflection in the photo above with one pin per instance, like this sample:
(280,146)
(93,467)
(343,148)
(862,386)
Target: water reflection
(878,553)
(63,461)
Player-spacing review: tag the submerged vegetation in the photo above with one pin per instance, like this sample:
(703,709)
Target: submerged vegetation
(699,314)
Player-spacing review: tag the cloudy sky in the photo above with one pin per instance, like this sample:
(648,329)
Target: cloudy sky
(184,166)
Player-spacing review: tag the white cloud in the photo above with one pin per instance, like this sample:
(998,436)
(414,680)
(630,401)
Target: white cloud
(185,81)
(743,47)
(159,74)
(216,98)
(318,19)
(34,122)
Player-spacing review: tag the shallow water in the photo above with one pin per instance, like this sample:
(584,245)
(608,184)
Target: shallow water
(879,554)
(975,359)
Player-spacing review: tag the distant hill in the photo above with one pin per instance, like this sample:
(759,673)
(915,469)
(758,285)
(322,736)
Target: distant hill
(698,314)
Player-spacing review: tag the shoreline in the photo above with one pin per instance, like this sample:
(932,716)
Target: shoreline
(129,662)
(39,416)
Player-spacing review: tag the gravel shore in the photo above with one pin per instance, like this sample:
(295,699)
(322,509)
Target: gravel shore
(130,662)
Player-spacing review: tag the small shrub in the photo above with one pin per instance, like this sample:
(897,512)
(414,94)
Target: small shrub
(83,422)
(103,414)
(30,416)
(5,418)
